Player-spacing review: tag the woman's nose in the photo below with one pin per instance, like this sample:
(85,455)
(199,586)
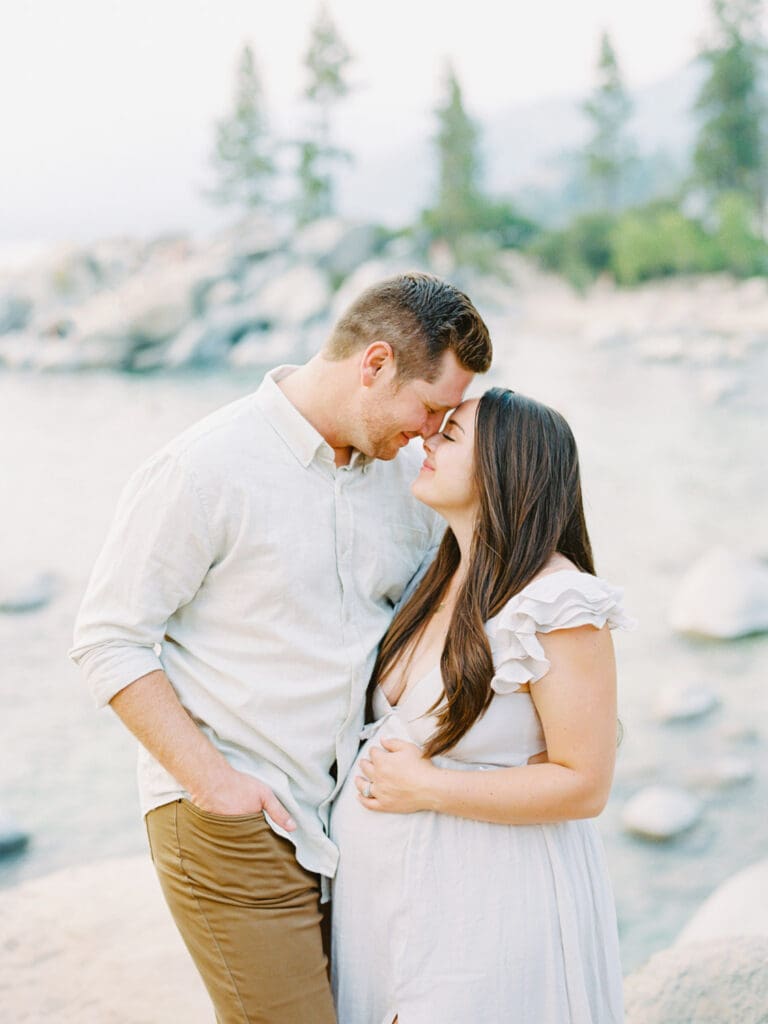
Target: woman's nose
(429,443)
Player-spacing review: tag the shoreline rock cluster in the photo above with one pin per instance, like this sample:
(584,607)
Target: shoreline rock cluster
(262,292)
(127,305)
(722,597)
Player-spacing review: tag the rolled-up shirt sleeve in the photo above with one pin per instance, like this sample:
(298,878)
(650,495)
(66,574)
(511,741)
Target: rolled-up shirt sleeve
(156,555)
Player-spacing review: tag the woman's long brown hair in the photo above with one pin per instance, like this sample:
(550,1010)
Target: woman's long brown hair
(530,507)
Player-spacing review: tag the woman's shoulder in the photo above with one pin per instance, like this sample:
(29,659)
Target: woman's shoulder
(561,597)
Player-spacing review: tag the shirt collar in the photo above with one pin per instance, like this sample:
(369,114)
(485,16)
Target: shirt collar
(304,441)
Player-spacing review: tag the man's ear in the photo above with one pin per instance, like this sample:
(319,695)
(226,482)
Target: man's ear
(377,357)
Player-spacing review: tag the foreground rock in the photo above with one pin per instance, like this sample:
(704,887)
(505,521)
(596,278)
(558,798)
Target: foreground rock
(29,597)
(12,838)
(681,703)
(738,907)
(717,971)
(724,595)
(719,982)
(660,812)
(95,944)
(724,772)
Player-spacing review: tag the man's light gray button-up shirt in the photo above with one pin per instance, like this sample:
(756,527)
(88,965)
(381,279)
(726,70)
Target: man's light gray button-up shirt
(260,577)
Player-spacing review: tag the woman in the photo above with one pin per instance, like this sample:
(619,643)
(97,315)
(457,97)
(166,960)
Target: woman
(471,888)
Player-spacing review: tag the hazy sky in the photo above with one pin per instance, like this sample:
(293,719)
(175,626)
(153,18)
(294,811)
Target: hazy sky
(108,105)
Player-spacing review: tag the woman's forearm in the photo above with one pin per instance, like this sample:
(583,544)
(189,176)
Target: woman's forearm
(528,795)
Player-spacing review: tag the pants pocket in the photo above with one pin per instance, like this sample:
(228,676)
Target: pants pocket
(222,819)
(238,858)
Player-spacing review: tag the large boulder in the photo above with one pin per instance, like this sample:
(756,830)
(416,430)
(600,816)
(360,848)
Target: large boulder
(668,347)
(660,812)
(336,245)
(738,907)
(149,308)
(208,339)
(257,275)
(17,350)
(719,982)
(72,273)
(678,702)
(93,353)
(195,345)
(255,236)
(13,839)
(15,312)
(723,772)
(267,348)
(29,595)
(363,277)
(723,595)
(96,944)
(296,297)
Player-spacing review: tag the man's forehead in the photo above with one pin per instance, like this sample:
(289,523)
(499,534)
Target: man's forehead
(447,390)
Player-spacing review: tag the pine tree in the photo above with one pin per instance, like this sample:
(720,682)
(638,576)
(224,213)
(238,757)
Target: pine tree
(730,154)
(326,61)
(244,154)
(459,194)
(608,154)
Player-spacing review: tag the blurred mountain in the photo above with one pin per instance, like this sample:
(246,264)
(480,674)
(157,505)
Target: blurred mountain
(531,153)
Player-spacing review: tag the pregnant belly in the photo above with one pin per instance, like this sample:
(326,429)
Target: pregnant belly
(355,828)
(348,815)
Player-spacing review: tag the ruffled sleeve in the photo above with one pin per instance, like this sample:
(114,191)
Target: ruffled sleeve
(561,600)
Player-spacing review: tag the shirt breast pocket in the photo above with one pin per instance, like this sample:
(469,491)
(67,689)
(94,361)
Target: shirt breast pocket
(391,558)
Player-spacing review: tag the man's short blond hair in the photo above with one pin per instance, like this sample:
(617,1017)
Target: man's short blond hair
(421,317)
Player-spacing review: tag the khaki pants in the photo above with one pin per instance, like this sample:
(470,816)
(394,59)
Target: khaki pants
(248,913)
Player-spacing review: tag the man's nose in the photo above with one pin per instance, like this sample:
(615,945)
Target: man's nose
(433,423)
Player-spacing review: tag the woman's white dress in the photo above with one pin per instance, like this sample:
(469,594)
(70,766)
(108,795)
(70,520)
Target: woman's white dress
(445,920)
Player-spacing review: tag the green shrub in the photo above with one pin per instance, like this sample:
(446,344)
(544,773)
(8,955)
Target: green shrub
(508,228)
(581,251)
(498,221)
(738,246)
(657,241)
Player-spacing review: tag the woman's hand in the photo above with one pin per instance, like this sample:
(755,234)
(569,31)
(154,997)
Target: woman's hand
(400,778)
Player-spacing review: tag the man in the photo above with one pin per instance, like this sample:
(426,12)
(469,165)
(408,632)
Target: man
(232,621)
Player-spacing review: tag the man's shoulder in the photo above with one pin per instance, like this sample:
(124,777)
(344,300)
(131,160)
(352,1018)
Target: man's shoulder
(231,418)
(224,436)
(210,451)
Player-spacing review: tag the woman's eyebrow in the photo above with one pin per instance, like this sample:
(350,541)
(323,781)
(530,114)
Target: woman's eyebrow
(453,422)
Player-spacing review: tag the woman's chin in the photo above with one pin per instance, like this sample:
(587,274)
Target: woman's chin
(421,492)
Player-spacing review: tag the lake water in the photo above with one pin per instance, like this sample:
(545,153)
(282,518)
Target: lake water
(667,474)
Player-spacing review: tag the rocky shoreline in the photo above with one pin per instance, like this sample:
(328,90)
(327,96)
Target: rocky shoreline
(95,943)
(261,293)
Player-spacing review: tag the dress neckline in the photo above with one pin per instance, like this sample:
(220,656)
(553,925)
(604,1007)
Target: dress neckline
(409,689)
(435,668)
